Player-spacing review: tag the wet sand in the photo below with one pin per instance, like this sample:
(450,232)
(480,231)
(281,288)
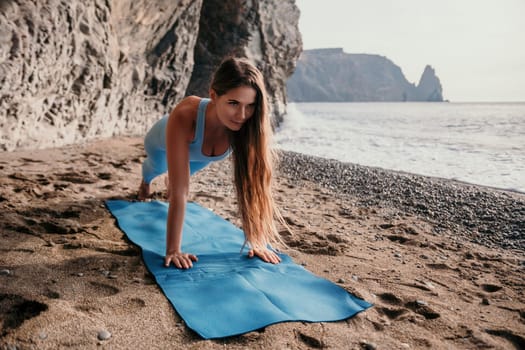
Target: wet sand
(67,273)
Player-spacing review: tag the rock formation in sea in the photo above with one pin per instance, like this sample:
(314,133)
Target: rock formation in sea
(72,71)
(331,75)
(429,87)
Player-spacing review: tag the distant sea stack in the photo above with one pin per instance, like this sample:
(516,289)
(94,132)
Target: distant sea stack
(331,75)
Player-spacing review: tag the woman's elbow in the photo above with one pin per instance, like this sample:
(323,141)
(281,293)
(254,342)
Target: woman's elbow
(177,196)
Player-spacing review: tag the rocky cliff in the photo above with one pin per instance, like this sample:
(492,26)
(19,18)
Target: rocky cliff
(73,70)
(331,75)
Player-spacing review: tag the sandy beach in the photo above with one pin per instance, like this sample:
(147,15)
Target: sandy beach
(442,262)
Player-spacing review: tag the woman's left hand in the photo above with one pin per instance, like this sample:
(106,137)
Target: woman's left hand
(265,255)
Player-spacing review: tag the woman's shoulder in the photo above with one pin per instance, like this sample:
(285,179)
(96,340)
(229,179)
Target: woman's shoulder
(187,106)
(185,111)
(184,116)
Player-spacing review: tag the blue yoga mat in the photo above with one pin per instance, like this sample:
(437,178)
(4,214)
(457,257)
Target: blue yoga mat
(226,293)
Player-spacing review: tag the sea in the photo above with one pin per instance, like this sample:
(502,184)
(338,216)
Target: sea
(477,143)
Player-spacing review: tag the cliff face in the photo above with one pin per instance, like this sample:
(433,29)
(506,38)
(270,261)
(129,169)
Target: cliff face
(73,70)
(330,75)
(265,31)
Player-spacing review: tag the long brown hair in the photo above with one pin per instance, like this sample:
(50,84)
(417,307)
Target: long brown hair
(253,157)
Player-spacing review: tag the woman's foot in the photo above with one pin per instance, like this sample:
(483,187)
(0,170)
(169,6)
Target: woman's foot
(144,191)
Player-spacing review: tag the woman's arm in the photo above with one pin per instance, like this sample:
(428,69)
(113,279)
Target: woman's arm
(179,133)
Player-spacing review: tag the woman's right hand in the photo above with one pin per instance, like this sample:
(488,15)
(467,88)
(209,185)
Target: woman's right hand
(180,260)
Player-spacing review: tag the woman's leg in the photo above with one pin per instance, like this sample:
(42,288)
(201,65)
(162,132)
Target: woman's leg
(196,166)
(155,163)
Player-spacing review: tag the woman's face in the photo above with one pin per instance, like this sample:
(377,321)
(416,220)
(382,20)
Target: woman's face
(236,106)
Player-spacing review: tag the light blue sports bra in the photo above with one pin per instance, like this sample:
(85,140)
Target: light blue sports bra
(196,154)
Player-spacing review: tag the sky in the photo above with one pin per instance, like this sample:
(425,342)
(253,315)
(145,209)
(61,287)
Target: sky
(477,47)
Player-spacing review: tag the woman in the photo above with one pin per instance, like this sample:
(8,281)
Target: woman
(200,130)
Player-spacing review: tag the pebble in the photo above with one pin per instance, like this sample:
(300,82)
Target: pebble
(355,278)
(429,285)
(421,303)
(104,335)
(5,272)
(341,280)
(485,301)
(447,202)
(368,345)
(42,335)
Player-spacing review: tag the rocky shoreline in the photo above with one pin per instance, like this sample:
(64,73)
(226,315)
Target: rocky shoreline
(483,215)
(69,277)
